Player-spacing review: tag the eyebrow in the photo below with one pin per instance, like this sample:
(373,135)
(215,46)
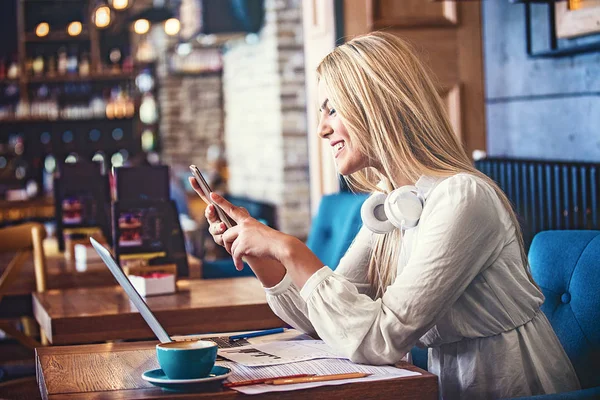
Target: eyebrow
(323,105)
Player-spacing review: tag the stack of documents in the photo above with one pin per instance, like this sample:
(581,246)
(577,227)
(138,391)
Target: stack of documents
(317,367)
(285,358)
(280,352)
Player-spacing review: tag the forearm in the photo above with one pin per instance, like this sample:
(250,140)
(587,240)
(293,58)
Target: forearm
(287,254)
(269,271)
(300,262)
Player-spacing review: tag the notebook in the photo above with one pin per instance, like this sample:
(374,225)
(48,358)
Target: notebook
(140,304)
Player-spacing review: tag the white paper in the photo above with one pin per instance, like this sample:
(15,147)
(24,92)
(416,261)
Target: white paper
(275,353)
(317,367)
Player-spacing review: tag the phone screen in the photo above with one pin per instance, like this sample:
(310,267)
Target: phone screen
(206,190)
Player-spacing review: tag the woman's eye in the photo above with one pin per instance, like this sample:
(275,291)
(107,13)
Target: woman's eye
(332,111)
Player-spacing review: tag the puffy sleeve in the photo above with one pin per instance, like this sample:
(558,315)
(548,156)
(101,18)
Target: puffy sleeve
(461,231)
(286,302)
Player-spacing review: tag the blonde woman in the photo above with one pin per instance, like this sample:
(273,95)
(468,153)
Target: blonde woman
(458,282)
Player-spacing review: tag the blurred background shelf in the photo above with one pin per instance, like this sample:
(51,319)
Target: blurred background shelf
(40,209)
(76,93)
(57,37)
(62,120)
(81,78)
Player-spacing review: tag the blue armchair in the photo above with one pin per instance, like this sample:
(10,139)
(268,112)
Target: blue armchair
(566,265)
(334,227)
(332,231)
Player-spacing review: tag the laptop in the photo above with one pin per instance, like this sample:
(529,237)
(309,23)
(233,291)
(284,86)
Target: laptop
(140,304)
(134,296)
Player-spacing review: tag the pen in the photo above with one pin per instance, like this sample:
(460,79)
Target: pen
(319,378)
(263,380)
(255,334)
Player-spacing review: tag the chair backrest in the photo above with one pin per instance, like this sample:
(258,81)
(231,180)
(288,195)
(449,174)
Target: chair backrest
(566,265)
(334,227)
(23,240)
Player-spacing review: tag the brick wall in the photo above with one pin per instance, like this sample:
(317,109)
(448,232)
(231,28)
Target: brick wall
(265,118)
(191,111)
(190,106)
(191,118)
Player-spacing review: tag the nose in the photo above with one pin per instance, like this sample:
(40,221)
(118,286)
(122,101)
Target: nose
(324,129)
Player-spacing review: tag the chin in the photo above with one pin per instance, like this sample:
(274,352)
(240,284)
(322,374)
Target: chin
(342,170)
(345,171)
(351,166)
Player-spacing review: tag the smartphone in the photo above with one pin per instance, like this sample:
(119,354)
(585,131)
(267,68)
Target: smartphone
(226,219)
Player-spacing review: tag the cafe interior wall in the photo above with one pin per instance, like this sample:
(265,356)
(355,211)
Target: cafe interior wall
(543,108)
(191,118)
(265,116)
(255,110)
(191,106)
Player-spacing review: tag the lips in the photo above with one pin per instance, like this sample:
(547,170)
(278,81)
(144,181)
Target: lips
(337,148)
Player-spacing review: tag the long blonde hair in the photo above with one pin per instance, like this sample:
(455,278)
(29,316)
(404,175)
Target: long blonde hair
(395,117)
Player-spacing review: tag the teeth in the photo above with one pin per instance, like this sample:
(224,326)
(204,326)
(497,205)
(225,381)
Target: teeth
(339,146)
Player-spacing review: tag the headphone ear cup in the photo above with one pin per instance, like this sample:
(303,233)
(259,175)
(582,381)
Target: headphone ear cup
(403,207)
(373,214)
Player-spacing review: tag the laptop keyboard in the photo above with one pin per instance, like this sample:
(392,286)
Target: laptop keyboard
(223,342)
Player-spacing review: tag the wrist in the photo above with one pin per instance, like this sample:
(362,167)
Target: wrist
(289,249)
(299,261)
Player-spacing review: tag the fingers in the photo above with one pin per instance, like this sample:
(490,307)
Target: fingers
(197,189)
(217,229)
(229,236)
(215,226)
(227,245)
(236,213)
(211,214)
(237,256)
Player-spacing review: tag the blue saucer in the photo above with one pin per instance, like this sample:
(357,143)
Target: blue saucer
(158,378)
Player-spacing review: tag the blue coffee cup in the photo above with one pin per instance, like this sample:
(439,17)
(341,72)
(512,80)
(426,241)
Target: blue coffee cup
(187,360)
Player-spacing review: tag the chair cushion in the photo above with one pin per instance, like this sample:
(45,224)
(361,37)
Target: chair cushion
(334,227)
(566,265)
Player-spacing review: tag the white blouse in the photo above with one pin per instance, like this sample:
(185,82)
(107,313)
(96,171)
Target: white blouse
(460,290)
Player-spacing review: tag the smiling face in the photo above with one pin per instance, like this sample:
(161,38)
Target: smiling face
(331,127)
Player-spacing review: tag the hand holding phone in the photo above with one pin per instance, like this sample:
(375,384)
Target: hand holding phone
(206,190)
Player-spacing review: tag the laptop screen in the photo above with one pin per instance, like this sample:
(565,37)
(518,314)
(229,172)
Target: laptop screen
(134,296)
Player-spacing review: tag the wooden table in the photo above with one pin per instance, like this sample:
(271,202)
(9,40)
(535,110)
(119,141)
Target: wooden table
(98,314)
(113,371)
(38,209)
(62,273)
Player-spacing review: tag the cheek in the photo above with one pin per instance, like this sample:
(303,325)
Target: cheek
(339,127)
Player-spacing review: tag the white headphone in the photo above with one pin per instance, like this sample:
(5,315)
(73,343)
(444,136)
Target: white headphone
(400,209)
